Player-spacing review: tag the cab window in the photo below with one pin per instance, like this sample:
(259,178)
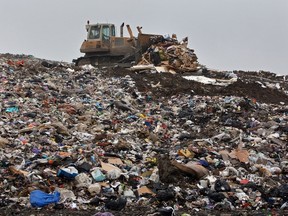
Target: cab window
(106,32)
(113,31)
(94,32)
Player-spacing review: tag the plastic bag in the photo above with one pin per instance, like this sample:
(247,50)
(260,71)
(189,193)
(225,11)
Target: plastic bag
(69,172)
(39,198)
(98,175)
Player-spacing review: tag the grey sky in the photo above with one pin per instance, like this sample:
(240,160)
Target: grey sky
(225,34)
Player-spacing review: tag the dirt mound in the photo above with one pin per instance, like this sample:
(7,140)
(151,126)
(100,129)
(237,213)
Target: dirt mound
(248,85)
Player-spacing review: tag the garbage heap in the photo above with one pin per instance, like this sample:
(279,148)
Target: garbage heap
(172,54)
(71,138)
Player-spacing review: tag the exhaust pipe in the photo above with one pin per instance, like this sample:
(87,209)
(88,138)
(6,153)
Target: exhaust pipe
(121,30)
(130,31)
(87,25)
(131,35)
(139,29)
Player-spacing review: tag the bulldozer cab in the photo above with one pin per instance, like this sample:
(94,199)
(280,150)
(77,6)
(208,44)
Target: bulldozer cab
(98,38)
(100,31)
(102,40)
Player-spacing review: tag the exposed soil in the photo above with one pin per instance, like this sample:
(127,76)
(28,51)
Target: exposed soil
(172,84)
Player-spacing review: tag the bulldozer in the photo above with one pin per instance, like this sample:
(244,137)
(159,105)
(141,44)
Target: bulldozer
(103,48)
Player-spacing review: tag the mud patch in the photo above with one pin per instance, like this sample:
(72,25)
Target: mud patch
(163,85)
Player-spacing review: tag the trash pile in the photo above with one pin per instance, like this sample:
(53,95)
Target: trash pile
(170,54)
(77,138)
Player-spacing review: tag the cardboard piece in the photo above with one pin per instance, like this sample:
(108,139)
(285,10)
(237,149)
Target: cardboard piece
(104,184)
(64,154)
(145,190)
(3,141)
(14,170)
(108,167)
(114,160)
(192,168)
(241,155)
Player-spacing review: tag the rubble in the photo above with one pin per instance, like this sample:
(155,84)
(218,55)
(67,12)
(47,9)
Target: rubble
(106,141)
(167,54)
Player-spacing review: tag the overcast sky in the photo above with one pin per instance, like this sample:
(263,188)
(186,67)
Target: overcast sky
(225,34)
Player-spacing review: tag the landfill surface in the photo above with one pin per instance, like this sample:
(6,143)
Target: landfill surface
(113,141)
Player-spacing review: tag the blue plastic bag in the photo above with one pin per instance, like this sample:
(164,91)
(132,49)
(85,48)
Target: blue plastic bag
(39,198)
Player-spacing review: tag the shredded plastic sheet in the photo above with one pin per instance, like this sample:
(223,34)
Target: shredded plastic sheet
(207,80)
(39,198)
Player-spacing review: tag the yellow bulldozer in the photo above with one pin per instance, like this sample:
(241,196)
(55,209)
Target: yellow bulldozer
(103,48)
